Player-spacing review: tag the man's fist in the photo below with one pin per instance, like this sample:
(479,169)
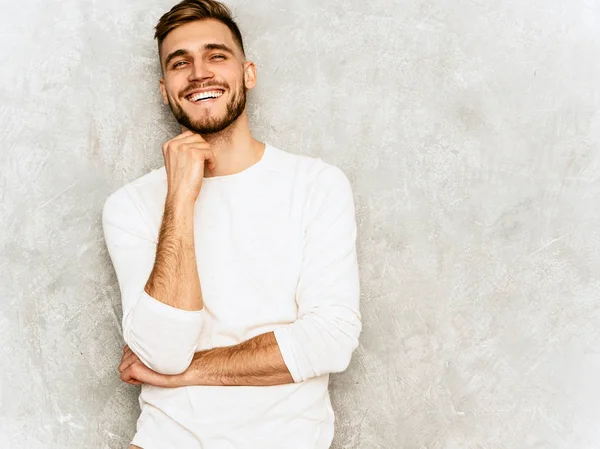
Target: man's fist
(185,156)
(134,372)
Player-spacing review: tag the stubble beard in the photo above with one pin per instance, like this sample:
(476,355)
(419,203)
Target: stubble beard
(209,124)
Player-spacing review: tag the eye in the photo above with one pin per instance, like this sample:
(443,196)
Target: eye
(177,63)
(217,56)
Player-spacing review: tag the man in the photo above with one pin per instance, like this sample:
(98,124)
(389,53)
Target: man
(236,263)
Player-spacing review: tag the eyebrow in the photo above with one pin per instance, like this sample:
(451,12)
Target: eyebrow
(206,47)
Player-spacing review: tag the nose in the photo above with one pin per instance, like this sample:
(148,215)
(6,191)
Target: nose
(200,71)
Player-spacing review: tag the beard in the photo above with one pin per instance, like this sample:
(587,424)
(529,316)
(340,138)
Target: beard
(209,124)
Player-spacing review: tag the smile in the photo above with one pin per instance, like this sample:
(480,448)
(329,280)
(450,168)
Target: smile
(207,96)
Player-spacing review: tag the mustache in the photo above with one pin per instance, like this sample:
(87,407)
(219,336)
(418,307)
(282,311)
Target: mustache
(204,86)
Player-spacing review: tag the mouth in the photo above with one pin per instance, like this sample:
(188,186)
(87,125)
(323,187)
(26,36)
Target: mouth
(209,96)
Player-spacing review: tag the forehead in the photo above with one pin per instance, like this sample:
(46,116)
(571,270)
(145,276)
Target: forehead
(193,35)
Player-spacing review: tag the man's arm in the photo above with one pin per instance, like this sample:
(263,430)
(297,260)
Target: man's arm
(323,338)
(256,362)
(326,332)
(160,288)
(164,333)
(174,278)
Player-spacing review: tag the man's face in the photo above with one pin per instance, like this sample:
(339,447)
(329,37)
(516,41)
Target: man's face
(202,57)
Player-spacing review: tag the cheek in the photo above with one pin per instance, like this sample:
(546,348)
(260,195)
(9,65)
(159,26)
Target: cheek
(174,87)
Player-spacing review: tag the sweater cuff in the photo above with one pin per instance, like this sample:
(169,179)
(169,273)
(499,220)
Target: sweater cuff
(284,340)
(166,311)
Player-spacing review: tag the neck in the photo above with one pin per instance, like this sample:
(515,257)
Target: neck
(234,148)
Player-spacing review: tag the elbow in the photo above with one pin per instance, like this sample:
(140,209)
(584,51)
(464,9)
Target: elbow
(342,355)
(316,345)
(338,347)
(164,338)
(170,364)
(163,359)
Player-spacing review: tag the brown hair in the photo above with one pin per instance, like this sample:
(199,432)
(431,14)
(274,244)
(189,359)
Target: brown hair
(191,10)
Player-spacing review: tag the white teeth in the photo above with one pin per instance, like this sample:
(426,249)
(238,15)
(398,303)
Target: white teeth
(203,95)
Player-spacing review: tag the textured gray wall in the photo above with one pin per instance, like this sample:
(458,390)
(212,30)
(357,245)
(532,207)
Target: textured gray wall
(470,131)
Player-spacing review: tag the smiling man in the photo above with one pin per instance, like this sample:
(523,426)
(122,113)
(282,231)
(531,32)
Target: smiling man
(236,263)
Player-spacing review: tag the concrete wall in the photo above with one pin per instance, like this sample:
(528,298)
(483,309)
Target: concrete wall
(470,130)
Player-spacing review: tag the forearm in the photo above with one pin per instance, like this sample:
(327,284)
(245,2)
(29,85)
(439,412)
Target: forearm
(174,277)
(256,361)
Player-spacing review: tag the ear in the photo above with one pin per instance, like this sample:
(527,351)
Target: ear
(249,74)
(163,91)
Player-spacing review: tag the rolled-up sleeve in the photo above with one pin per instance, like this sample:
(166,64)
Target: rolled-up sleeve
(326,332)
(163,337)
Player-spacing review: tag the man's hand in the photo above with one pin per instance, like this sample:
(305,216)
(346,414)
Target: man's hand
(256,362)
(134,372)
(174,278)
(185,156)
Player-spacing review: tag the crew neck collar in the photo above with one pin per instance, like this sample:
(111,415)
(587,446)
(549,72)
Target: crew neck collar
(262,161)
(267,154)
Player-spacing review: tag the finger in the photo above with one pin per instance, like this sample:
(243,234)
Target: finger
(129,379)
(183,135)
(125,376)
(132,380)
(187,138)
(176,140)
(126,353)
(195,141)
(140,373)
(205,150)
(196,146)
(129,375)
(126,361)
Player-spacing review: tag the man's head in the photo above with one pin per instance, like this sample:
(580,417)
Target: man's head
(201,53)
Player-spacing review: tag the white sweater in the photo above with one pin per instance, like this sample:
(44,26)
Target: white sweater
(275,249)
